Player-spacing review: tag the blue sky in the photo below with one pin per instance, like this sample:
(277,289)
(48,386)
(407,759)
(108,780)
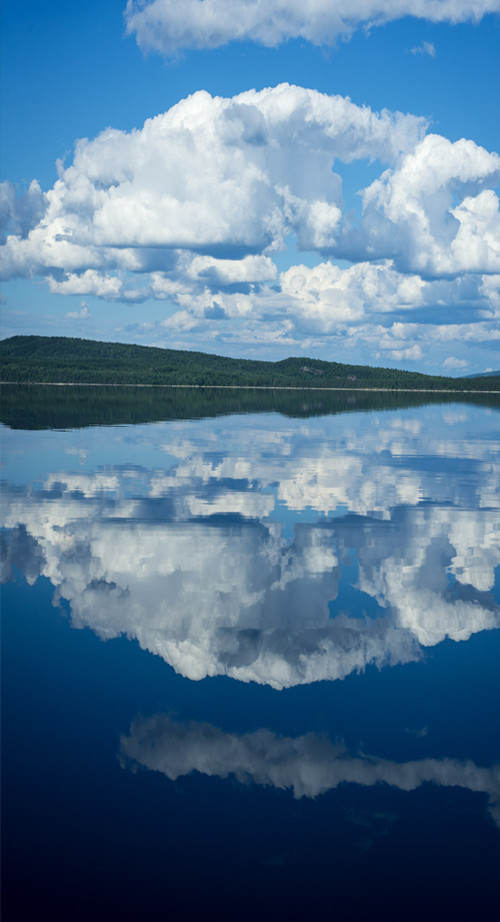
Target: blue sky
(305,217)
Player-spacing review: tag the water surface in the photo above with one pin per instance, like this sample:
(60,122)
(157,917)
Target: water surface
(251,658)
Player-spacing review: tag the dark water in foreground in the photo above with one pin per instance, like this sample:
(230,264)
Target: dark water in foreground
(250,662)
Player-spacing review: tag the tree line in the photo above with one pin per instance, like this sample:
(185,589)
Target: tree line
(70,360)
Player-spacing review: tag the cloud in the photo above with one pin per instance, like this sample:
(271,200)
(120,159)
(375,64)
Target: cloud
(221,177)
(433,214)
(452,362)
(89,282)
(308,765)
(226,272)
(350,307)
(82,314)
(167,27)
(426,48)
(20,213)
(411,353)
(329,295)
(193,207)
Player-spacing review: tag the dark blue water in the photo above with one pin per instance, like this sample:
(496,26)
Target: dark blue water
(250,668)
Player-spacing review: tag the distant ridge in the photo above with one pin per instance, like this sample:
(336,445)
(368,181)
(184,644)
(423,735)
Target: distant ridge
(485,374)
(60,359)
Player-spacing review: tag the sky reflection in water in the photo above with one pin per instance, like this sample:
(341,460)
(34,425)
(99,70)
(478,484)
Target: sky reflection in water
(280,552)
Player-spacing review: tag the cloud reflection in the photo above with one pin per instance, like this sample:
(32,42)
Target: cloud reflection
(282,555)
(307,765)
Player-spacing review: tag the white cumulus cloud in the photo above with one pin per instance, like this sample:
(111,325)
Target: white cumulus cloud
(168,26)
(223,177)
(432,213)
(193,207)
(453,362)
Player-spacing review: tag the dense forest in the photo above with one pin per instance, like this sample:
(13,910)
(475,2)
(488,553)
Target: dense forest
(61,359)
(52,407)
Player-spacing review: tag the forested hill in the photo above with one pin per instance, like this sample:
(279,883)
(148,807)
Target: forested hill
(62,359)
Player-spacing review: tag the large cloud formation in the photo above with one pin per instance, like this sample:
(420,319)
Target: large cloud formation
(193,207)
(210,175)
(219,588)
(167,26)
(309,765)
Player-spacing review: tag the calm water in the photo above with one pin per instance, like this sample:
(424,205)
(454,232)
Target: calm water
(251,662)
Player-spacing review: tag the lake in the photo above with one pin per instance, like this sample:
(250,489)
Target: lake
(250,655)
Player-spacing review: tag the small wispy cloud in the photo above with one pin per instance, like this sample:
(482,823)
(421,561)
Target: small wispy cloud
(82,314)
(425,48)
(452,362)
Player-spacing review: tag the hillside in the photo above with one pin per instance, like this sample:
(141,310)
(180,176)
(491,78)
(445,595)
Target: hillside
(485,374)
(60,359)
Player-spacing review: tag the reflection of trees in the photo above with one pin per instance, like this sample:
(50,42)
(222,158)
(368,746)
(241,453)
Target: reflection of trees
(25,407)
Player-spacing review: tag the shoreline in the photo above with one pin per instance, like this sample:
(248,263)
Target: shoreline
(255,387)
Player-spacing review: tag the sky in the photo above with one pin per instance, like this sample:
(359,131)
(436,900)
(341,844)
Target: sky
(257,179)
